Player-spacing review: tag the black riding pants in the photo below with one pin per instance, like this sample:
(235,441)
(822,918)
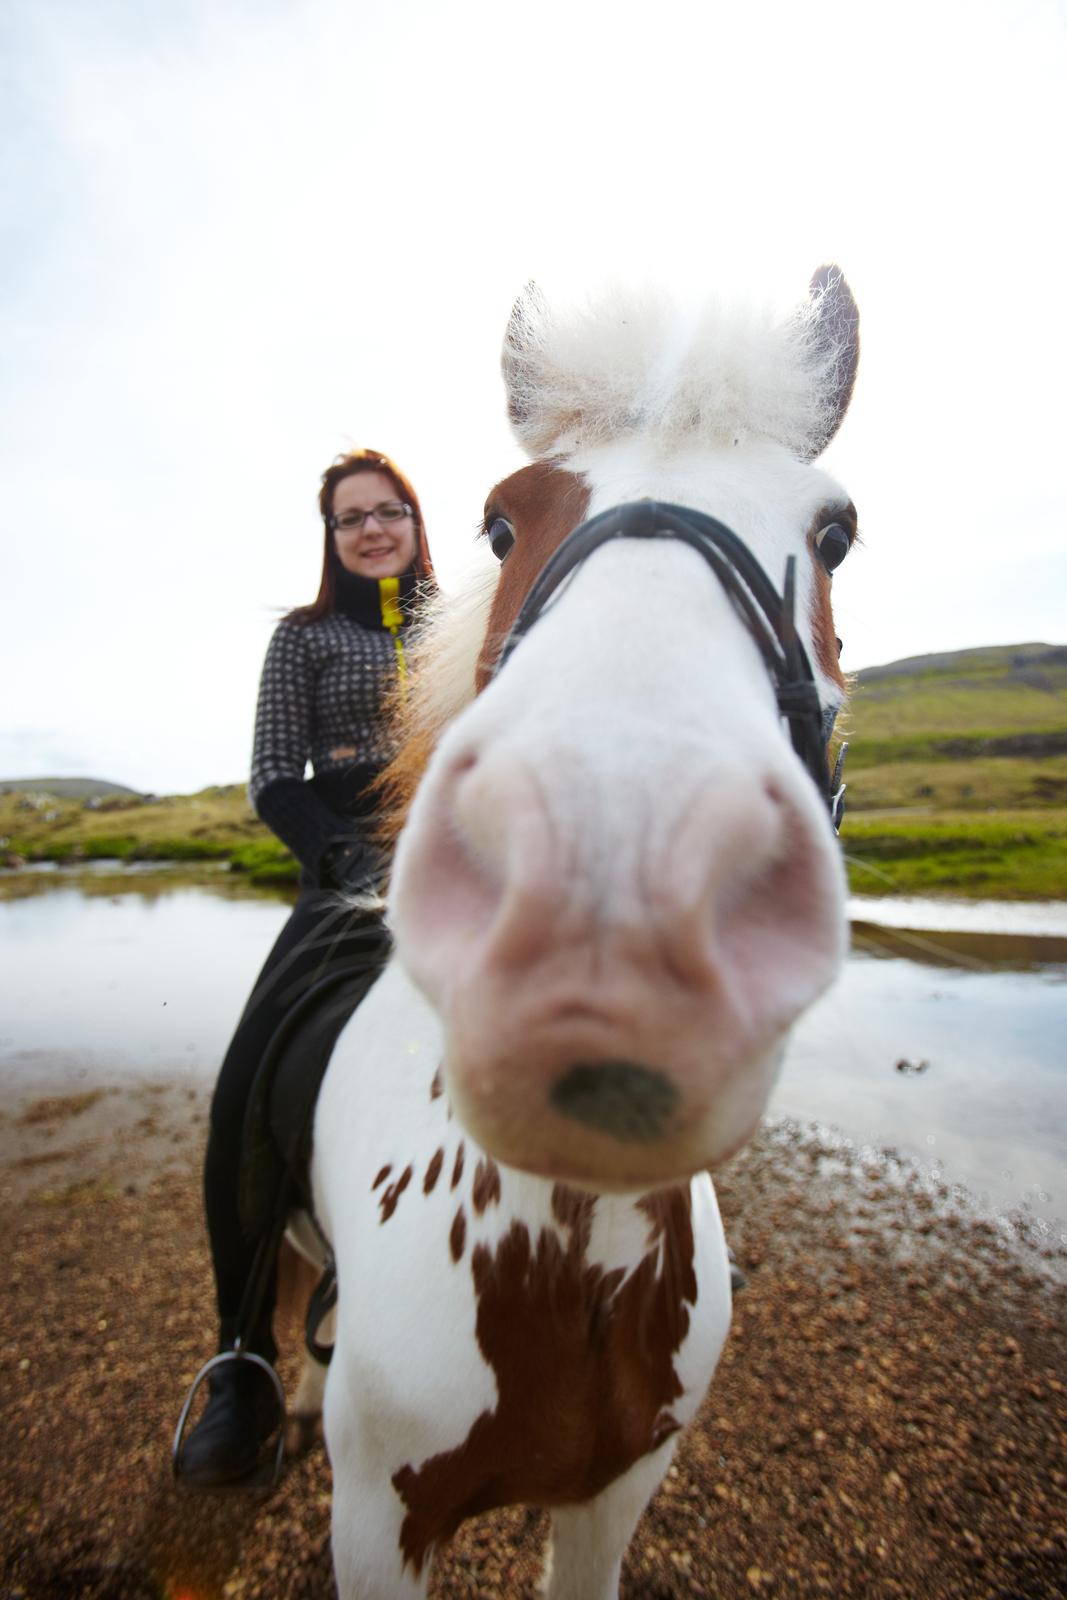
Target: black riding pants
(322,937)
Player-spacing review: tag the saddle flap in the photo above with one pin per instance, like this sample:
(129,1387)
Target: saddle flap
(278,1119)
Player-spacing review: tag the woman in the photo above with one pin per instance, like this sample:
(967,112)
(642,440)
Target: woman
(328,670)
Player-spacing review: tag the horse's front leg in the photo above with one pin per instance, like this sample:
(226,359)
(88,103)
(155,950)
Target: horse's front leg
(368,1561)
(306,1409)
(589,1540)
(367,1518)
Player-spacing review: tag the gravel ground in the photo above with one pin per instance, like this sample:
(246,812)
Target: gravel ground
(888,1419)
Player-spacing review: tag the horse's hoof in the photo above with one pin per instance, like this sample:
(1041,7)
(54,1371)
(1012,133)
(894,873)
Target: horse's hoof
(737,1277)
(302,1433)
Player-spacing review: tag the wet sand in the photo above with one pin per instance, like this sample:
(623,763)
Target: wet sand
(889,1418)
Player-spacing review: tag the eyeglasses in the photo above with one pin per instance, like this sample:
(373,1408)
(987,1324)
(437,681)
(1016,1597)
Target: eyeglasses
(388,511)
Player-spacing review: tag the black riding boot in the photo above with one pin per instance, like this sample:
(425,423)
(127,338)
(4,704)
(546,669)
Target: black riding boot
(242,1411)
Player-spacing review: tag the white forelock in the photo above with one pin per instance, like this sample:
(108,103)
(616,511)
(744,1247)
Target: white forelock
(638,361)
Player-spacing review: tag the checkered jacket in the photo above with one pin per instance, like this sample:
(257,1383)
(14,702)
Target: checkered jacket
(320,698)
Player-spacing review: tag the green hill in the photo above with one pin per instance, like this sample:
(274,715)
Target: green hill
(1006,699)
(970,730)
(957,774)
(65,788)
(216,824)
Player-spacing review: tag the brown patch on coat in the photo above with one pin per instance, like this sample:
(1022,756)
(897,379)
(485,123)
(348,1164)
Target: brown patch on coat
(389,1199)
(485,1191)
(394,788)
(822,612)
(457,1170)
(457,1237)
(584,1362)
(543,503)
(295,1284)
(437,1087)
(433,1171)
(382,1175)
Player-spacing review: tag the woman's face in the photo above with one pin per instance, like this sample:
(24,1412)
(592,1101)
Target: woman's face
(377,549)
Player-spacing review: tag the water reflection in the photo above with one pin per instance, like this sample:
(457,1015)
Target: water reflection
(148,880)
(987,1109)
(145,980)
(1043,917)
(970,951)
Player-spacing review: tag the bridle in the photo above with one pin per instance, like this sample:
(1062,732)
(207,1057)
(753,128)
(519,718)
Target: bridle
(768,617)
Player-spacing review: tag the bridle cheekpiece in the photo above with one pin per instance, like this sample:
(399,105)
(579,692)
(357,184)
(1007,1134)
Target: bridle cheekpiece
(768,617)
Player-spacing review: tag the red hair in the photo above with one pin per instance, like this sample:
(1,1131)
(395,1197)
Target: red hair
(347,466)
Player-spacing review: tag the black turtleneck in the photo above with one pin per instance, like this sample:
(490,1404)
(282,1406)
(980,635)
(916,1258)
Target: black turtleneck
(361,598)
(320,699)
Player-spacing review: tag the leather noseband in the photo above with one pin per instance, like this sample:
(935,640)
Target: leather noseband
(768,616)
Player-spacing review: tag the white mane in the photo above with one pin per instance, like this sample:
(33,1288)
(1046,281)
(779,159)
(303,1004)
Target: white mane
(445,649)
(639,362)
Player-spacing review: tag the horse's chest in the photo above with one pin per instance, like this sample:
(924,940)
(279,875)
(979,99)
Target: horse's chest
(583,1357)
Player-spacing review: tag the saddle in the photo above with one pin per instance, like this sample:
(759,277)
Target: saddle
(276,1141)
(275,1171)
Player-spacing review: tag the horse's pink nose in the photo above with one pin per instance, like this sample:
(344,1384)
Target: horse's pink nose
(730,889)
(615,987)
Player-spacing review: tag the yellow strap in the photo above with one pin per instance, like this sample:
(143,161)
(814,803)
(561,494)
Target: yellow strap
(389,590)
(393,618)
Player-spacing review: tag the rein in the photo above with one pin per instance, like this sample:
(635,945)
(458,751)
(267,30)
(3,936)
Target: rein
(767,616)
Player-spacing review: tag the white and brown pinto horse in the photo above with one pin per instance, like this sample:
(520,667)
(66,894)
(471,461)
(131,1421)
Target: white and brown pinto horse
(616,889)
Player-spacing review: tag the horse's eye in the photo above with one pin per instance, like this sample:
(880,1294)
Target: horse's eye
(831,543)
(501,536)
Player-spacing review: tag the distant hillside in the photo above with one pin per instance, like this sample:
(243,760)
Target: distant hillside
(957,774)
(986,660)
(65,788)
(1001,701)
(215,825)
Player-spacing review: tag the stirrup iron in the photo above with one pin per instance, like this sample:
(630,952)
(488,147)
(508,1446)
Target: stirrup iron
(224,1356)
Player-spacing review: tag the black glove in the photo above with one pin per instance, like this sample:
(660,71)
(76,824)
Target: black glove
(351,866)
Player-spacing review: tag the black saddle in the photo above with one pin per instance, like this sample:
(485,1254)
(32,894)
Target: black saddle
(276,1148)
(276,1142)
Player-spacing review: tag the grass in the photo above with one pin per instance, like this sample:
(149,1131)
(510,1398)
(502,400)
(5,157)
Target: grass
(265,860)
(1020,855)
(1011,783)
(993,692)
(996,743)
(215,824)
(957,776)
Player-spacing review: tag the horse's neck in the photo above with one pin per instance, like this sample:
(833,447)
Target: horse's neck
(616,1231)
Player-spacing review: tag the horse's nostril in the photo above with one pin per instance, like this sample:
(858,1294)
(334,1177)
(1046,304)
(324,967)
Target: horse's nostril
(622,1098)
(774,792)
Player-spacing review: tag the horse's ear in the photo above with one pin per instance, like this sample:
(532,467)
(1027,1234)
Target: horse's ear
(834,334)
(517,357)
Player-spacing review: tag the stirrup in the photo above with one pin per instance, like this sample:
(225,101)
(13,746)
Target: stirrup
(738,1279)
(224,1356)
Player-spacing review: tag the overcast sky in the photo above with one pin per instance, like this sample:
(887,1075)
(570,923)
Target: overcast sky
(240,235)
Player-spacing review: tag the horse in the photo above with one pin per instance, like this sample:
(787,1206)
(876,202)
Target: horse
(616,887)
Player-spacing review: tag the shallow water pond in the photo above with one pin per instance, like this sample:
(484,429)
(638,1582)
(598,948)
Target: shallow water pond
(945,1038)
(961,1065)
